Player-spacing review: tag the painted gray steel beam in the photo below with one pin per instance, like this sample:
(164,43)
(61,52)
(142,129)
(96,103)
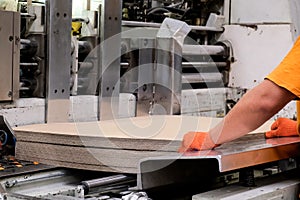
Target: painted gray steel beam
(109,55)
(59,19)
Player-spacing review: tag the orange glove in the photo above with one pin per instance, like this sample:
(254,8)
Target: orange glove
(193,141)
(283,127)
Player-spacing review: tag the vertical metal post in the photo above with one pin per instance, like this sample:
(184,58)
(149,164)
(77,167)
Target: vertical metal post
(145,76)
(16,56)
(110,50)
(9,55)
(59,19)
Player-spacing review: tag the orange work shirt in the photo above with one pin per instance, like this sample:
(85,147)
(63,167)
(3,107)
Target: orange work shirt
(287,73)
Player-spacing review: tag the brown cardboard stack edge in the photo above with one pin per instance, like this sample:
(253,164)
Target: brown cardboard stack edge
(113,145)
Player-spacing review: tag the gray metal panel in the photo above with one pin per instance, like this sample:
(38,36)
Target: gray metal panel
(168,70)
(167,77)
(6,54)
(110,50)
(59,19)
(9,55)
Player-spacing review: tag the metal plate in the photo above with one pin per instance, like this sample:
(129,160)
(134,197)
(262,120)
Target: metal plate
(245,152)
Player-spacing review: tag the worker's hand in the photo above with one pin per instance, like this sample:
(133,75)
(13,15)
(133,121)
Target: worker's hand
(196,141)
(283,127)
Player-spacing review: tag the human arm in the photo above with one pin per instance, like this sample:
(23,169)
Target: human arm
(253,109)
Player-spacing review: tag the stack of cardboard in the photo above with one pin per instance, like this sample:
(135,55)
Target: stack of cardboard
(113,145)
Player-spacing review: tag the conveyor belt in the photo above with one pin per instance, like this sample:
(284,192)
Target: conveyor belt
(247,151)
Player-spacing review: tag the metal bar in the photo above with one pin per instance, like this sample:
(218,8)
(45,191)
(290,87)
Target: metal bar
(202,78)
(37,177)
(157,25)
(124,64)
(203,64)
(248,151)
(59,19)
(203,50)
(85,65)
(110,52)
(88,185)
(145,76)
(205,28)
(16,56)
(140,24)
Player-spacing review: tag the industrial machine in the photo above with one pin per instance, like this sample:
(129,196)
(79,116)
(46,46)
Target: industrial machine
(113,59)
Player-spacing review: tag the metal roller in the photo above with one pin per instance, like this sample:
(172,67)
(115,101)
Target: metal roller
(202,78)
(157,25)
(28,47)
(85,65)
(203,64)
(203,50)
(90,184)
(29,16)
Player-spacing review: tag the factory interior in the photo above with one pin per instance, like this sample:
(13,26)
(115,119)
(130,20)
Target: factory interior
(96,95)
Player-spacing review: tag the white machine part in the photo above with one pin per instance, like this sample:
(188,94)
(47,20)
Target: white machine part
(260,39)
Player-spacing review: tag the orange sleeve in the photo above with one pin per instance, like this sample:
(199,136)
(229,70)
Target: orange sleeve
(287,73)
